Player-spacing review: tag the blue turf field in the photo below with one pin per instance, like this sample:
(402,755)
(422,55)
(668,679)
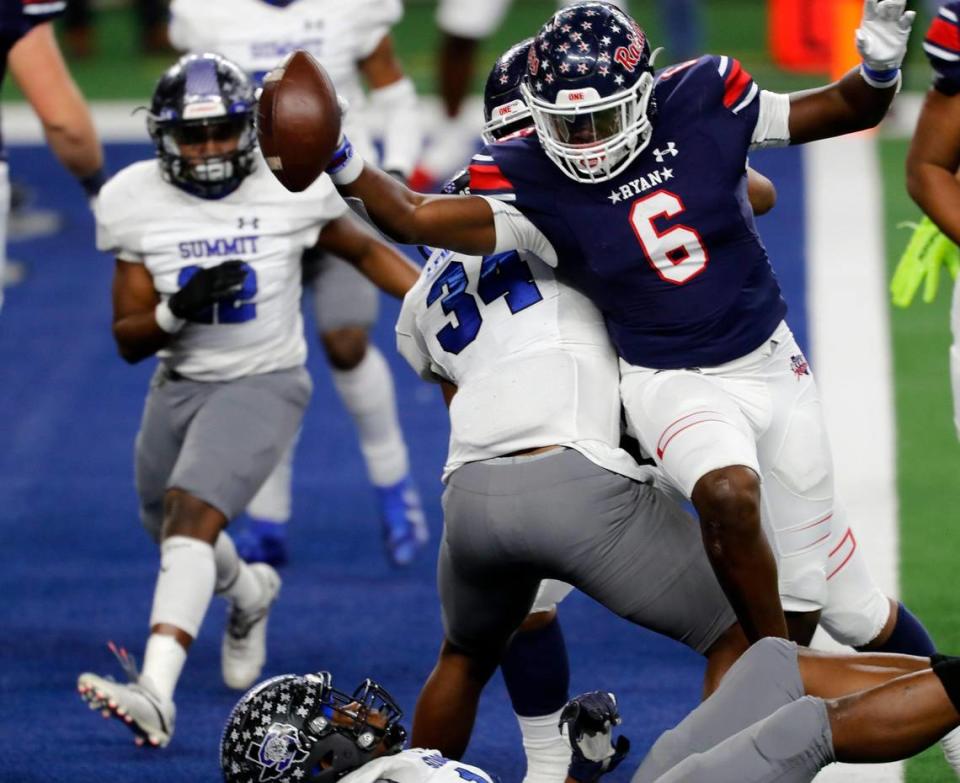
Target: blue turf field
(77,569)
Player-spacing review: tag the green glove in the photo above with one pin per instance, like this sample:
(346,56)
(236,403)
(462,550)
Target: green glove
(926,252)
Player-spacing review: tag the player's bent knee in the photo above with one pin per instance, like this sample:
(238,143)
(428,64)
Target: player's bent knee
(187,515)
(345,348)
(856,619)
(728,500)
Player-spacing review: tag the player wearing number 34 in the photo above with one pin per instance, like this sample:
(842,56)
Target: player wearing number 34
(208,248)
(635,187)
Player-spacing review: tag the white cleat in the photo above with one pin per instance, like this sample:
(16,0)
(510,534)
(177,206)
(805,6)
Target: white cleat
(951,751)
(244,650)
(148,716)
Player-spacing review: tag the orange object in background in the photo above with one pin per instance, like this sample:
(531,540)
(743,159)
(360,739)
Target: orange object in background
(843,47)
(814,36)
(801,34)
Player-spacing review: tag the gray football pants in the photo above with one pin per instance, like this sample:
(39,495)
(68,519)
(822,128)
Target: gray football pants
(757,727)
(511,522)
(216,440)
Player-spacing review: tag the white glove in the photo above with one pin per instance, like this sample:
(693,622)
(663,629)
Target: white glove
(883,33)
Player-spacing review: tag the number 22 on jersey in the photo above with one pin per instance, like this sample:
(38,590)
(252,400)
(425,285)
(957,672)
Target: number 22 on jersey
(505,275)
(228,311)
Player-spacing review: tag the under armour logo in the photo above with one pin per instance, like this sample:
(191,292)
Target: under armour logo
(254,223)
(661,155)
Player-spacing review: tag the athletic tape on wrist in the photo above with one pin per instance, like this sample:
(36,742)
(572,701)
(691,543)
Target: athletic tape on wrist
(881,80)
(166,320)
(346,165)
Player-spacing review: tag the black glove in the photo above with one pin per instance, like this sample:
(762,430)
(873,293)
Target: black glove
(587,722)
(207,286)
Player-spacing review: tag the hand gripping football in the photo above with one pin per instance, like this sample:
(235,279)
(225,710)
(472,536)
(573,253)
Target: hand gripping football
(298,121)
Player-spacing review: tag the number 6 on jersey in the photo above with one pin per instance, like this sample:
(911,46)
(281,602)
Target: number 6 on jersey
(677,255)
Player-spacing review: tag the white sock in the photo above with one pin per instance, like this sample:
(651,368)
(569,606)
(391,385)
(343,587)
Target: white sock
(951,750)
(235,581)
(548,754)
(162,663)
(367,393)
(184,584)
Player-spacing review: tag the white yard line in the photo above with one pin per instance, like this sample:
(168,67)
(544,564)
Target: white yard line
(850,337)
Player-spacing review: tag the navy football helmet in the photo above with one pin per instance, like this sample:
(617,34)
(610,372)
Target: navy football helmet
(204,99)
(589,84)
(302,728)
(504,109)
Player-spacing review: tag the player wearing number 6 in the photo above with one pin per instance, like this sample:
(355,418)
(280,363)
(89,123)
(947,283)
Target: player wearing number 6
(208,249)
(634,187)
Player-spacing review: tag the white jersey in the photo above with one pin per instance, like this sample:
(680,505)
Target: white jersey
(530,358)
(142,218)
(417,766)
(257,36)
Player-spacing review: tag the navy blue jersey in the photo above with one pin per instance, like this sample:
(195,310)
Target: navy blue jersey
(18,17)
(942,46)
(668,250)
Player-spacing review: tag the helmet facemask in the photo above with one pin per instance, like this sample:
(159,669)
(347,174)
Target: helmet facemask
(593,139)
(206,174)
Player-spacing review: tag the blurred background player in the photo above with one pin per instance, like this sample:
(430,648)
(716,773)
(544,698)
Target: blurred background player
(464,25)
(31,54)
(932,165)
(208,278)
(355,47)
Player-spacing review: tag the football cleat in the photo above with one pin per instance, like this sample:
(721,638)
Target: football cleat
(405,529)
(136,704)
(587,723)
(263,541)
(244,649)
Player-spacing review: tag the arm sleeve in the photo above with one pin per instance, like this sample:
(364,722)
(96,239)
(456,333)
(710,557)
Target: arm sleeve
(773,121)
(517,232)
(942,47)
(403,135)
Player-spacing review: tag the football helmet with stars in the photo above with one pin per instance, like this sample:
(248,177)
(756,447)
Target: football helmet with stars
(300,729)
(589,84)
(504,110)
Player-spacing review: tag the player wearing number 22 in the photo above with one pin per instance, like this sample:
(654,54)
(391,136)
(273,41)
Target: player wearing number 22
(208,248)
(634,187)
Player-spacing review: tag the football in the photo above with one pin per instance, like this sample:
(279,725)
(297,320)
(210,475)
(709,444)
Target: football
(298,121)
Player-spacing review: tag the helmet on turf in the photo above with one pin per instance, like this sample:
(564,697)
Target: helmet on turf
(302,728)
(589,84)
(201,101)
(504,109)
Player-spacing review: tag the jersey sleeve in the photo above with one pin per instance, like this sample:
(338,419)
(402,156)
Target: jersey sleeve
(117,221)
(187,30)
(39,11)
(410,342)
(942,47)
(373,20)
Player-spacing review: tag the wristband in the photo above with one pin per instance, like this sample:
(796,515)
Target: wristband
(345,165)
(166,320)
(93,182)
(880,80)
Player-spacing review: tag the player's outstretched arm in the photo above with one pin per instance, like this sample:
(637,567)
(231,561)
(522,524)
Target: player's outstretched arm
(933,160)
(351,239)
(461,223)
(39,70)
(135,301)
(861,98)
